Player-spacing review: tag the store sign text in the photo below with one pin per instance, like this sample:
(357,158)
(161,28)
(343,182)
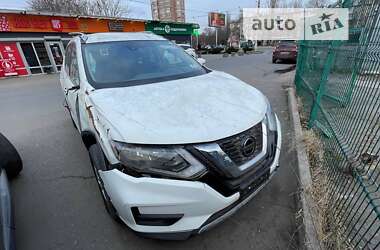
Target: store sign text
(36,23)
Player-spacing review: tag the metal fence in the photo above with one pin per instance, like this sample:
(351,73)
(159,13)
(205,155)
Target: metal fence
(339,84)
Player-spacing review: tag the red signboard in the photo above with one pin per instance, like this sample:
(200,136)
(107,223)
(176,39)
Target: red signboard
(38,23)
(11,63)
(4,23)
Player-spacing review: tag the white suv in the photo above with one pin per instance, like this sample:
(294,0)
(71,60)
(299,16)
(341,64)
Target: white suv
(176,147)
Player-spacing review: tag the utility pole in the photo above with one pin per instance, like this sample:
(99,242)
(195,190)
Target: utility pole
(216,36)
(227,28)
(258,6)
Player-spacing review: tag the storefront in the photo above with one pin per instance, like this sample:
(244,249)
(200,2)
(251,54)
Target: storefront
(34,43)
(177,32)
(31,43)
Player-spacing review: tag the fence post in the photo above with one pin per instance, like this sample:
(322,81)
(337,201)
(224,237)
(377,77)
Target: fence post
(300,67)
(322,84)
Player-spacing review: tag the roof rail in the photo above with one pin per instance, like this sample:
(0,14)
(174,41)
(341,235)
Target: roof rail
(76,34)
(83,37)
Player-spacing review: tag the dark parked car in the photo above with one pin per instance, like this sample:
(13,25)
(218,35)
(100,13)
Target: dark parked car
(230,50)
(285,50)
(10,166)
(247,46)
(216,49)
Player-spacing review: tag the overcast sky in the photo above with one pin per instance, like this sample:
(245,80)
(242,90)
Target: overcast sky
(196,10)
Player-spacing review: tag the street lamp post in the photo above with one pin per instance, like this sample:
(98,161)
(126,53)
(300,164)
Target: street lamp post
(216,36)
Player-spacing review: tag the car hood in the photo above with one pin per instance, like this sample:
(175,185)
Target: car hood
(191,110)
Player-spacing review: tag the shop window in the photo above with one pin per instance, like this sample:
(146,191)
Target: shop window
(56,53)
(37,57)
(43,57)
(65,43)
(35,70)
(30,56)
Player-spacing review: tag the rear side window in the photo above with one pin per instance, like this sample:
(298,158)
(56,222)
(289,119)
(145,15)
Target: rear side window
(287,45)
(67,58)
(71,64)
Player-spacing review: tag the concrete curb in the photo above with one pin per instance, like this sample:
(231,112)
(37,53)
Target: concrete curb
(307,203)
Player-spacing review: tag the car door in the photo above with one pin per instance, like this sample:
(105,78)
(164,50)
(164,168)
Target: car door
(71,82)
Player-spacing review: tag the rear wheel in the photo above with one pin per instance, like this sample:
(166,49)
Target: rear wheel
(10,159)
(98,162)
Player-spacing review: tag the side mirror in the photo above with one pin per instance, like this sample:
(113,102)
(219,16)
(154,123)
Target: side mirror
(202,61)
(10,159)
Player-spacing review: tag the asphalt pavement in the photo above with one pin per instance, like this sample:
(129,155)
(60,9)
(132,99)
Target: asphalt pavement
(56,198)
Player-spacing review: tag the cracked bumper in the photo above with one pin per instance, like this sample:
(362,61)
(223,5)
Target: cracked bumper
(202,207)
(196,201)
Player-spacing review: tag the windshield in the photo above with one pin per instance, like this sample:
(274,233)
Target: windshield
(129,63)
(287,44)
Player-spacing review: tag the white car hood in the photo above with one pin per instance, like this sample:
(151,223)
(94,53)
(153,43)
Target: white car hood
(191,110)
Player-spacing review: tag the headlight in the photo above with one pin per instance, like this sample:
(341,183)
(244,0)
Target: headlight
(270,117)
(168,162)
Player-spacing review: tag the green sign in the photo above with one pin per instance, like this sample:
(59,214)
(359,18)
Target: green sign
(169,28)
(196,32)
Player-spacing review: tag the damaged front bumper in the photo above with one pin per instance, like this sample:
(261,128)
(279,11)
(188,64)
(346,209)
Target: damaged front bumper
(174,209)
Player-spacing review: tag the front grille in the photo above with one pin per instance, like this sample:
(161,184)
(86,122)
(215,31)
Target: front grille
(227,185)
(233,146)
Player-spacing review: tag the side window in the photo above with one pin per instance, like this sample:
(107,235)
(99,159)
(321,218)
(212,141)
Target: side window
(73,65)
(67,58)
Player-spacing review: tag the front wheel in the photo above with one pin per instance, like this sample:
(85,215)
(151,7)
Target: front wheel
(10,159)
(98,162)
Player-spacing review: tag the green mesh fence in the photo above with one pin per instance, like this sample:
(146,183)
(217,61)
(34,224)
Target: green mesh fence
(339,83)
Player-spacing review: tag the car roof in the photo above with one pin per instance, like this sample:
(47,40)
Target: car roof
(121,36)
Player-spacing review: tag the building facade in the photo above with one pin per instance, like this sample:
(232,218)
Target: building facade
(34,43)
(168,10)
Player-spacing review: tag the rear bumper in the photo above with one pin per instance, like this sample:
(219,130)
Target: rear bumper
(285,55)
(197,206)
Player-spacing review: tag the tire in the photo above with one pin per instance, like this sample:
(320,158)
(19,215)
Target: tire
(10,159)
(98,162)
(274,60)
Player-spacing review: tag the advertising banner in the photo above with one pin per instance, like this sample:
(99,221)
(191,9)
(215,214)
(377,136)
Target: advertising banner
(216,19)
(11,22)
(11,63)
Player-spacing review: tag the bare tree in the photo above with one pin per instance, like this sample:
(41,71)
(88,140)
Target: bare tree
(318,3)
(110,8)
(296,4)
(273,3)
